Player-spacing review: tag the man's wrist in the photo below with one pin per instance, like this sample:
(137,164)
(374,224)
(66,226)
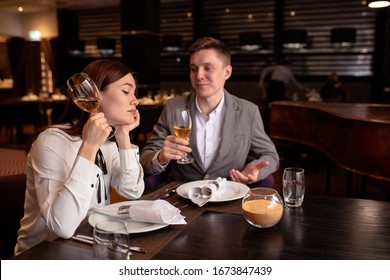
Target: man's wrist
(157,166)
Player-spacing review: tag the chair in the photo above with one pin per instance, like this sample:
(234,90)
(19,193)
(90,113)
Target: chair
(267,182)
(12,194)
(16,114)
(153,182)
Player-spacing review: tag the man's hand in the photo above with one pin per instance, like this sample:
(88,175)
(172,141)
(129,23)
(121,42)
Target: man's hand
(249,174)
(174,148)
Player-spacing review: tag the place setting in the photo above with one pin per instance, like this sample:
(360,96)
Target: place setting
(219,190)
(114,225)
(140,215)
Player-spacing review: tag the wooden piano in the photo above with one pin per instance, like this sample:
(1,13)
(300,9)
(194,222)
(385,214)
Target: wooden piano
(355,136)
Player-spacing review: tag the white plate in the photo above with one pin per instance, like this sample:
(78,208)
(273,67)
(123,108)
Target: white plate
(229,191)
(132,226)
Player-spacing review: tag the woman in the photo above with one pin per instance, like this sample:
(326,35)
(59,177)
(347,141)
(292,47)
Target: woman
(63,181)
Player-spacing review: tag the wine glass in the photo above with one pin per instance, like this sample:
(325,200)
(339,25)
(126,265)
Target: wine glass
(85,94)
(182,125)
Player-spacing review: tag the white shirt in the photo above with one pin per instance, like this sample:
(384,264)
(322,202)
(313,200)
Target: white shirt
(208,136)
(62,186)
(209,132)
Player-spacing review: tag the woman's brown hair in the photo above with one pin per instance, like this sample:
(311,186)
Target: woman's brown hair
(103,72)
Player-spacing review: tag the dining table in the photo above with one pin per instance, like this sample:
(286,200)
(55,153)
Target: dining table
(323,228)
(39,112)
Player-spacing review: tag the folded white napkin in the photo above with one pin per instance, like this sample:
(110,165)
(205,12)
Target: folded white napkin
(202,194)
(147,211)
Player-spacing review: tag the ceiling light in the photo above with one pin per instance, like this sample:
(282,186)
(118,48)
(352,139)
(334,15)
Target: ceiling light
(295,39)
(76,47)
(250,41)
(106,46)
(35,35)
(343,37)
(378,4)
(172,43)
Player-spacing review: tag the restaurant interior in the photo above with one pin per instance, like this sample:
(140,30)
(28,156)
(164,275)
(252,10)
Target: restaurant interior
(41,46)
(152,37)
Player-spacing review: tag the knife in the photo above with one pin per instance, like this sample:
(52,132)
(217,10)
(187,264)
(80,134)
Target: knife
(89,240)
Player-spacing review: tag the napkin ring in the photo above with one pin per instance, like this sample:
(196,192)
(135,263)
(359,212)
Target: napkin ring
(123,210)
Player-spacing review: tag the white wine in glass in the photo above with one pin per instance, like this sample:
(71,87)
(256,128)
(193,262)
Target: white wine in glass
(85,94)
(87,104)
(182,125)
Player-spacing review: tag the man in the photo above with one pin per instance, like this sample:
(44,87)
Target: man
(225,129)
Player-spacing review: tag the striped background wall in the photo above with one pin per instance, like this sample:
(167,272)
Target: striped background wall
(228,18)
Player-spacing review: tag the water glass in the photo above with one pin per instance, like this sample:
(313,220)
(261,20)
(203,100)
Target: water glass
(111,240)
(293,186)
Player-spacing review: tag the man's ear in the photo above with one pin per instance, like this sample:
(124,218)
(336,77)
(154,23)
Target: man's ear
(228,71)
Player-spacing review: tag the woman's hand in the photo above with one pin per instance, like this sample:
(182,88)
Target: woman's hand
(126,128)
(96,129)
(95,133)
(122,133)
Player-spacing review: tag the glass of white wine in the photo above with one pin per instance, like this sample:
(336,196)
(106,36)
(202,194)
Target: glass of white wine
(182,125)
(85,94)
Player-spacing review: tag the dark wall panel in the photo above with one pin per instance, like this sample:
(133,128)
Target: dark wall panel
(140,15)
(141,53)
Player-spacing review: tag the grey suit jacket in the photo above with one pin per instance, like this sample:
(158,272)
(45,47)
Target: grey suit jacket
(242,134)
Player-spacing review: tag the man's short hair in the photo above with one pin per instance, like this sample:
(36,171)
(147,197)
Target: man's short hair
(211,43)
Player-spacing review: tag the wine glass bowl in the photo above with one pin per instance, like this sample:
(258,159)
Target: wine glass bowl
(182,125)
(85,94)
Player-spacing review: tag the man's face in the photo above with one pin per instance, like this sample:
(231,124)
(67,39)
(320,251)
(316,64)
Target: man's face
(208,73)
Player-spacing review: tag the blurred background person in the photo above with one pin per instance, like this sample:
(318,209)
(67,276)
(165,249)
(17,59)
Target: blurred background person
(280,76)
(333,90)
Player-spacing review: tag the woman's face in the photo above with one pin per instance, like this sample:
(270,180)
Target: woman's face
(118,101)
